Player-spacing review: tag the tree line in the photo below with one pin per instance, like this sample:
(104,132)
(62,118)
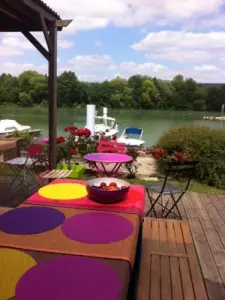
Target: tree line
(30,88)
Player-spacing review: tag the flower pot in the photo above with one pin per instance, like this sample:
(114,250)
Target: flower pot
(77,170)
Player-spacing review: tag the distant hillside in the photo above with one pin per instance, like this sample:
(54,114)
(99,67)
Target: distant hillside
(207,85)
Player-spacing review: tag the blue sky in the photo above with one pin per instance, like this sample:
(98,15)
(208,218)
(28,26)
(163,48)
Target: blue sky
(125,37)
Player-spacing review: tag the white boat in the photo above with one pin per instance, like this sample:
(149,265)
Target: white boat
(106,125)
(132,137)
(8,127)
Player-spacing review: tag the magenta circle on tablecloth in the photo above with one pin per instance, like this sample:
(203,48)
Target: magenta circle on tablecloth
(69,277)
(108,157)
(30,220)
(97,228)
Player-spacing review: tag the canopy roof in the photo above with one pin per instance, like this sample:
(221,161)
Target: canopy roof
(24,15)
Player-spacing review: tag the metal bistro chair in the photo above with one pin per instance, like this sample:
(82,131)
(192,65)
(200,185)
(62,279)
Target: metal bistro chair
(156,192)
(25,167)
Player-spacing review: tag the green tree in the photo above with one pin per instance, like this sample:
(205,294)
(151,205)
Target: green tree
(8,89)
(68,89)
(149,94)
(32,88)
(135,83)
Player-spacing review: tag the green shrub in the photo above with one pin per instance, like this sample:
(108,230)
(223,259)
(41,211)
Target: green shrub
(208,146)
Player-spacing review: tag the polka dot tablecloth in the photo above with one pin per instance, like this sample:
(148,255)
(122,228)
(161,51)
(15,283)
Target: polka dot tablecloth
(73,193)
(13,264)
(63,191)
(69,277)
(30,220)
(97,228)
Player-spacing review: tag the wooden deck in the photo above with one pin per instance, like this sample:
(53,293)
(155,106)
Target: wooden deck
(170,268)
(205,216)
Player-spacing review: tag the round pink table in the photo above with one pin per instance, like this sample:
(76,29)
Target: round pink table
(108,158)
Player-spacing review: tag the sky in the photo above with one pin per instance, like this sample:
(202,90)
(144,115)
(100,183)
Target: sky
(110,38)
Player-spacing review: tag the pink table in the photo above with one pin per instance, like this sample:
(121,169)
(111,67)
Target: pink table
(134,203)
(115,159)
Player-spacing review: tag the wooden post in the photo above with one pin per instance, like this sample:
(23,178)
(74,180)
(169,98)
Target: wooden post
(52,103)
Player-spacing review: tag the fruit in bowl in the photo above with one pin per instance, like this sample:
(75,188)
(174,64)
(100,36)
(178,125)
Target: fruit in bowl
(107,190)
(112,186)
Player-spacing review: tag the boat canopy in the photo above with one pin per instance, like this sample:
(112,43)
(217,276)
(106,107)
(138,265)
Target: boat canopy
(137,131)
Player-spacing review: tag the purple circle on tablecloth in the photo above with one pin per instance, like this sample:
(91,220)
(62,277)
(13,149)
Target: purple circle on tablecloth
(30,220)
(108,157)
(97,228)
(69,277)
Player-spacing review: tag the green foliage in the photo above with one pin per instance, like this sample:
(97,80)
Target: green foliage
(208,146)
(141,92)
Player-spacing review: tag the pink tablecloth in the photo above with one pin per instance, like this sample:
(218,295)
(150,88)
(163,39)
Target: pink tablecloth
(133,204)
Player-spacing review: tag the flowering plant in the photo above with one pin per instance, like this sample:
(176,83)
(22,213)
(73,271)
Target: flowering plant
(169,156)
(77,143)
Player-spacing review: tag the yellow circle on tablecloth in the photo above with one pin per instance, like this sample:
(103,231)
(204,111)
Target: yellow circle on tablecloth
(63,191)
(13,264)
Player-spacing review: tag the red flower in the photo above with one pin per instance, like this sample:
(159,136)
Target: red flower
(60,140)
(191,155)
(73,151)
(66,129)
(114,138)
(80,132)
(72,128)
(185,159)
(87,132)
(161,152)
(179,155)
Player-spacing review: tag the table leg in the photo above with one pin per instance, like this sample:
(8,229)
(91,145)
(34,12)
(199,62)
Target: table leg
(114,170)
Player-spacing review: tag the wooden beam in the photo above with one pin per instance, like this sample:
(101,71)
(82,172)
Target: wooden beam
(45,32)
(63,23)
(52,103)
(36,44)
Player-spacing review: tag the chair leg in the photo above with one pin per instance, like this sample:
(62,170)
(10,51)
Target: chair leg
(175,202)
(152,203)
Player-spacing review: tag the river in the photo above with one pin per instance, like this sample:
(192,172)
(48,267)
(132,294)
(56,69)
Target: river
(154,123)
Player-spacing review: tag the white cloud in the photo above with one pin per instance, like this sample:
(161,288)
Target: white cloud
(15,44)
(64,44)
(208,68)
(131,13)
(201,73)
(181,46)
(6,51)
(17,68)
(92,78)
(90,62)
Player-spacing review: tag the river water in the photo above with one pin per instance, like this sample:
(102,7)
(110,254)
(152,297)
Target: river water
(154,123)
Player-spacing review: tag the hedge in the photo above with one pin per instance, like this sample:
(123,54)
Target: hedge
(208,146)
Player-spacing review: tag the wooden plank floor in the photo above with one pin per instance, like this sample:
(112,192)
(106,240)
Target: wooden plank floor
(169,268)
(205,215)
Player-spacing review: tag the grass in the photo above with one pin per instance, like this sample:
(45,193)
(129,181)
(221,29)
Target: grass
(195,186)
